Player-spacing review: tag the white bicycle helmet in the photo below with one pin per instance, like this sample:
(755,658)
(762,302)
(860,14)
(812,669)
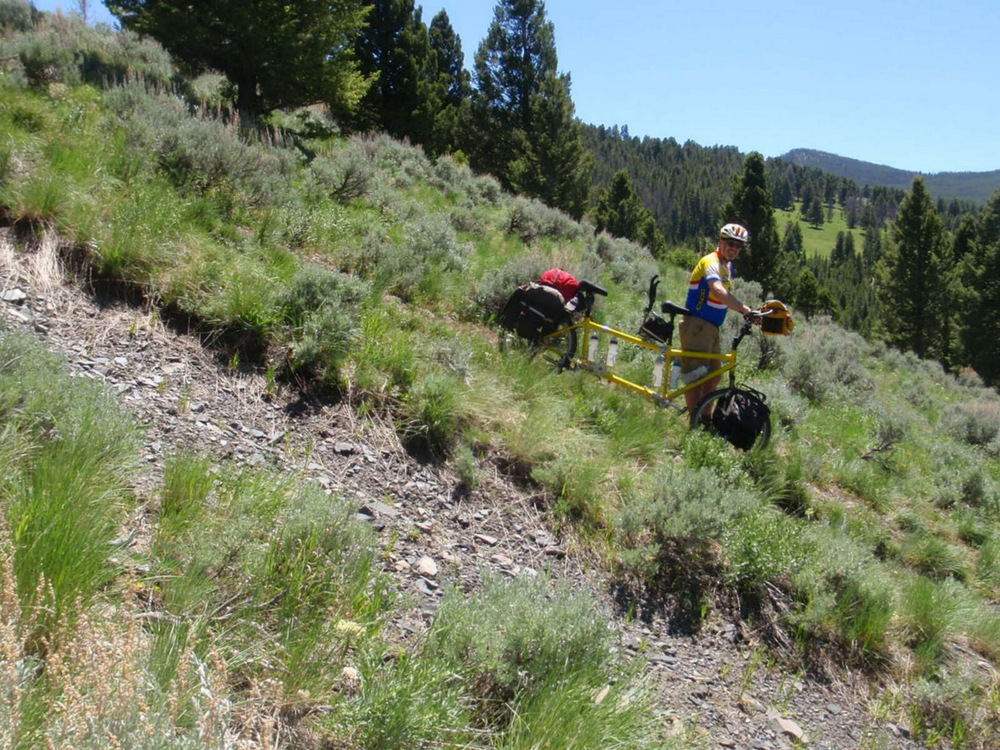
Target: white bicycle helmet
(735,232)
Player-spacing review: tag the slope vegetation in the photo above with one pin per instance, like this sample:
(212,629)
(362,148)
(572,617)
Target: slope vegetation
(359,273)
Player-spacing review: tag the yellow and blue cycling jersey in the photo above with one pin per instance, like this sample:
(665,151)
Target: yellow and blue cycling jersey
(700,301)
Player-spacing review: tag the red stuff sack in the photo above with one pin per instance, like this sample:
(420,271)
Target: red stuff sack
(564,281)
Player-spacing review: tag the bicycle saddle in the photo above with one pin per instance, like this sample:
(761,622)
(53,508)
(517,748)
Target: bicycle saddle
(672,308)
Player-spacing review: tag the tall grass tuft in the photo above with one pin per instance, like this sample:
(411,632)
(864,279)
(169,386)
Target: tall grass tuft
(538,668)
(408,701)
(926,611)
(67,463)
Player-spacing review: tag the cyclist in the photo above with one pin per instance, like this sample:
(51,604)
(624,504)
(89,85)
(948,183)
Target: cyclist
(709,298)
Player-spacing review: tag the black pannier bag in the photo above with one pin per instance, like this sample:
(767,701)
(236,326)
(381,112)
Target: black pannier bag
(656,329)
(740,417)
(534,311)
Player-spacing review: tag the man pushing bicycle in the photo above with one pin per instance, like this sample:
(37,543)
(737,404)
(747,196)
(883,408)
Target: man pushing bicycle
(709,299)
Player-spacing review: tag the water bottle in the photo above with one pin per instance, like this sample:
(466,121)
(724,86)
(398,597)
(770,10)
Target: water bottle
(658,372)
(592,349)
(675,375)
(696,374)
(612,352)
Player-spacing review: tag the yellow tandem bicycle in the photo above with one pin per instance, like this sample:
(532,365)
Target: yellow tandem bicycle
(572,340)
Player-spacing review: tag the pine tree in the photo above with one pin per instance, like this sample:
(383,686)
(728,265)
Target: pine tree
(276,54)
(526,133)
(446,92)
(394,51)
(807,293)
(554,165)
(980,320)
(913,278)
(619,210)
(814,213)
(751,206)
(791,242)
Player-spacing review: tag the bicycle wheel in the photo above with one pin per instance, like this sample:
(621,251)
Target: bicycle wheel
(559,349)
(737,415)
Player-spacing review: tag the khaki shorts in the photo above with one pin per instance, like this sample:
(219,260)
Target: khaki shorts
(699,335)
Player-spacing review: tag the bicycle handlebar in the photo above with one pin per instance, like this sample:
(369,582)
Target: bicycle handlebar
(757,315)
(586,286)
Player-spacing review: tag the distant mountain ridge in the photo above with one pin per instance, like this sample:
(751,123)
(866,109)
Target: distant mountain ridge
(971,186)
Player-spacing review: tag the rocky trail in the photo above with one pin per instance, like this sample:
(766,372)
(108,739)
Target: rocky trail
(716,685)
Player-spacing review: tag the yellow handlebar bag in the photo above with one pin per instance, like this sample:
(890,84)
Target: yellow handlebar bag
(779,322)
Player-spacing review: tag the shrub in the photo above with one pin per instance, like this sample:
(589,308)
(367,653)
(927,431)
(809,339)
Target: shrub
(764,546)
(892,424)
(629,264)
(313,287)
(323,308)
(475,220)
(955,707)
(512,640)
(404,163)
(343,176)
(915,392)
(429,249)
(62,48)
(822,363)
(694,503)
(531,220)
(16,15)
(485,190)
(975,422)
(450,174)
(494,289)
(205,155)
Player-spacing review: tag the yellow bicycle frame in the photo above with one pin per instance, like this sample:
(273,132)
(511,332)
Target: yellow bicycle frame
(598,366)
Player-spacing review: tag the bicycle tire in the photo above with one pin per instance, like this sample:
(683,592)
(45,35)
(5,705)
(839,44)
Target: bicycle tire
(559,350)
(701,418)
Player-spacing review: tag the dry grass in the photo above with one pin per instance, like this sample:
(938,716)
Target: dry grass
(38,267)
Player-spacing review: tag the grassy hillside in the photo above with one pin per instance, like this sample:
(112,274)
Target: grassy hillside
(867,536)
(818,241)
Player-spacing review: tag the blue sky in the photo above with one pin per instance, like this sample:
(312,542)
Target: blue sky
(907,83)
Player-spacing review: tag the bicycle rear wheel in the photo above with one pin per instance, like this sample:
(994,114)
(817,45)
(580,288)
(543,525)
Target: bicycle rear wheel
(717,415)
(559,349)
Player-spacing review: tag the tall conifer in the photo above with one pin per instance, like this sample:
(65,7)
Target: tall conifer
(751,206)
(445,90)
(980,276)
(527,135)
(913,278)
(394,51)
